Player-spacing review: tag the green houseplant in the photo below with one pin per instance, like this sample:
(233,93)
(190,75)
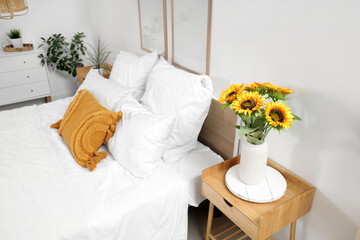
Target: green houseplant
(98,55)
(15,38)
(63,55)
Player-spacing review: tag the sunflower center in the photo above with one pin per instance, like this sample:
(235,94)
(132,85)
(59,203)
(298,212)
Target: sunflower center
(231,94)
(276,115)
(248,104)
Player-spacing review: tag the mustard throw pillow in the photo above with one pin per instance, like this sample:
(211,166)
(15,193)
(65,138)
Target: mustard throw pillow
(85,127)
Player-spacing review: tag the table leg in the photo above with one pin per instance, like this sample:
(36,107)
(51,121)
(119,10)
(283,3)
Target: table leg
(48,99)
(210,219)
(293,230)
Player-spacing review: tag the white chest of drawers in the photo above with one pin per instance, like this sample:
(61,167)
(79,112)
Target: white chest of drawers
(22,77)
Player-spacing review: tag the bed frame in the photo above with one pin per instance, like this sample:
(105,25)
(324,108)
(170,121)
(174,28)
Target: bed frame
(219,132)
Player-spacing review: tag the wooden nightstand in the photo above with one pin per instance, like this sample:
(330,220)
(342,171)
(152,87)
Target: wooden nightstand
(258,220)
(83,71)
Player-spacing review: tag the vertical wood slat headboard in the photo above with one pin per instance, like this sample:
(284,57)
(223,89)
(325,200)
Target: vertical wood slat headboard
(218,131)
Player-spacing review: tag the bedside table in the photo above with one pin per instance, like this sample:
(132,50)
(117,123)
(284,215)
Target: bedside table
(259,221)
(81,72)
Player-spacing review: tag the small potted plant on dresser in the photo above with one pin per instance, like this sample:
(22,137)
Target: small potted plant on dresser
(15,38)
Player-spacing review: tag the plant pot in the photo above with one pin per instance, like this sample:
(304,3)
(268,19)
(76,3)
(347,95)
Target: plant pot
(99,70)
(17,42)
(253,163)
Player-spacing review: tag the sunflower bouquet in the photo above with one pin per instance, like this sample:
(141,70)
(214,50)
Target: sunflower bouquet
(261,107)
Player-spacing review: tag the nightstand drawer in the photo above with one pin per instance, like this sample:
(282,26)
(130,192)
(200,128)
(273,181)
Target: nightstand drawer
(12,79)
(231,212)
(15,63)
(24,92)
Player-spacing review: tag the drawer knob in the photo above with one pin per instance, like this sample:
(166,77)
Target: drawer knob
(28,76)
(31,90)
(24,62)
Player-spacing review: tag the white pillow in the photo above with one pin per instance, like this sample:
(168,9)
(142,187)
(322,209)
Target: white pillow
(106,92)
(132,71)
(140,138)
(174,92)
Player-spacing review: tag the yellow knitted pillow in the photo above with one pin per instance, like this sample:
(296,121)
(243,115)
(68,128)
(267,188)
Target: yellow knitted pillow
(85,127)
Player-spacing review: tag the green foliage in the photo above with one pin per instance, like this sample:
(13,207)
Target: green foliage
(63,55)
(14,33)
(98,56)
(275,95)
(225,105)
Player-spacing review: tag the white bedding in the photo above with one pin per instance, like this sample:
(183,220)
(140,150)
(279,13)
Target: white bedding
(110,202)
(36,201)
(190,167)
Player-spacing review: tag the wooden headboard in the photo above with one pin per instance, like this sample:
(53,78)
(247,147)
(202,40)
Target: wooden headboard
(218,131)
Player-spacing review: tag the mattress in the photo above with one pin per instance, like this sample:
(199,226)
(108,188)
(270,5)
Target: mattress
(113,203)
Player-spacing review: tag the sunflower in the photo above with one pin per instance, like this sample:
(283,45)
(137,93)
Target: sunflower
(253,86)
(269,86)
(247,103)
(284,90)
(278,115)
(231,93)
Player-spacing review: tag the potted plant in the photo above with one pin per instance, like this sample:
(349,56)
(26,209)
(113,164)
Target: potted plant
(15,38)
(261,107)
(63,55)
(97,55)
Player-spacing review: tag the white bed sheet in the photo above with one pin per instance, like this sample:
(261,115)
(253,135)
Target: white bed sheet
(190,167)
(115,204)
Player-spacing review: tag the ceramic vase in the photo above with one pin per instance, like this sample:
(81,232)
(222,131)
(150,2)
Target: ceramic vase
(17,43)
(253,161)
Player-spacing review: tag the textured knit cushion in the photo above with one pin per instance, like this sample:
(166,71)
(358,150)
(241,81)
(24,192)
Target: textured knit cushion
(85,127)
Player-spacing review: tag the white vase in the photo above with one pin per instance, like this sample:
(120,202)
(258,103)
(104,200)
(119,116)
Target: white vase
(253,161)
(17,43)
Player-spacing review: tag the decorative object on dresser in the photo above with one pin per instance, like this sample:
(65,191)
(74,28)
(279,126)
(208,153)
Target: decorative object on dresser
(15,38)
(13,8)
(81,72)
(258,221)
(22,78)
(261,107)
(97,55)
(63,55)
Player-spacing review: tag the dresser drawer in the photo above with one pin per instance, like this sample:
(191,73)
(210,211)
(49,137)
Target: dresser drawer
(12,79)
(249,227)
(24,92)
(15,63)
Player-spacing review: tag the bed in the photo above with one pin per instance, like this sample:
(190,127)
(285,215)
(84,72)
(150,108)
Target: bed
(45,194)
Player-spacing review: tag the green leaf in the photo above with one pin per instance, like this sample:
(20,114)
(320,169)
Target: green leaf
(297,117)
(256,134)
(254,140)
(245,130)
(225,105)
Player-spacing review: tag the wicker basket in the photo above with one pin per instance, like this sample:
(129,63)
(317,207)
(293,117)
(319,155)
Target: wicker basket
(9,7)
(27,47)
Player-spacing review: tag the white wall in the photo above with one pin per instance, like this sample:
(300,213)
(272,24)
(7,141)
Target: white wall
(45,18)
(309,46)
(313,48)
(116,23)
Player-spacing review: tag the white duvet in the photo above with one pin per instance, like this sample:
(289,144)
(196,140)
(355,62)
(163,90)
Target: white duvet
(45,194)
